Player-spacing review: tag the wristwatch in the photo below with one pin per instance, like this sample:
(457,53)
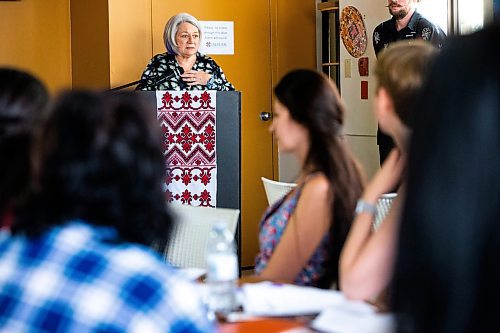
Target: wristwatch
(365,207)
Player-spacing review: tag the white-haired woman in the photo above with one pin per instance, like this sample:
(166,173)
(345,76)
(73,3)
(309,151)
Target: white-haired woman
(185,67)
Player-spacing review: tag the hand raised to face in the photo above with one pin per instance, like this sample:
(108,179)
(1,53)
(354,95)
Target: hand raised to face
(387,178)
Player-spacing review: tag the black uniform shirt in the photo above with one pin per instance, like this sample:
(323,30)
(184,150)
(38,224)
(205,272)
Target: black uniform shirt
(418,28)
(385,33)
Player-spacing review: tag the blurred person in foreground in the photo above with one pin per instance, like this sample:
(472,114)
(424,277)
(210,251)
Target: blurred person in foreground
(188,68)
(78,259)
(23,101)
(447,268)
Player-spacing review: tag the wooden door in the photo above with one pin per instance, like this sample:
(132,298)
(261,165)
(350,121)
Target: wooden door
(249,69)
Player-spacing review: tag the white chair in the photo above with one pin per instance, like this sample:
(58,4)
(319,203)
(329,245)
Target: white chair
(384,204)
(188,241)
(276,190)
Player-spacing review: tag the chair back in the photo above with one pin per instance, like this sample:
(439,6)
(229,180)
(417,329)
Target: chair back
(384,204)
(276,190)
(188,241)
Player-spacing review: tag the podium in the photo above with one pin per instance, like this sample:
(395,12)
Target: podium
(228,148)
(228,142)
(228,120)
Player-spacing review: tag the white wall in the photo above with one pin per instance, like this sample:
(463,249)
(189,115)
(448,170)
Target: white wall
(361,126)
(289,167)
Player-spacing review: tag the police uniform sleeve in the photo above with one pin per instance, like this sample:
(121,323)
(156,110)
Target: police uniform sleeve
(431,33)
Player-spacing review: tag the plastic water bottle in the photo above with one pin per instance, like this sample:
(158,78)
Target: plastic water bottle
(222,272)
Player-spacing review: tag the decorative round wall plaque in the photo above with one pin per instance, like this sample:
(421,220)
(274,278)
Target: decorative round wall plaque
(353,31)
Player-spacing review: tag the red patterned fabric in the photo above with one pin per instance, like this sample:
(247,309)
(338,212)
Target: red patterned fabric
(187,119)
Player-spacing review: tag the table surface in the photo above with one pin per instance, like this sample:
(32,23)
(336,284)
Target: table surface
(268,325)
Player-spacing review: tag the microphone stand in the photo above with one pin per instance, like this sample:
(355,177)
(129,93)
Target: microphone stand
(155,83)
(125,85)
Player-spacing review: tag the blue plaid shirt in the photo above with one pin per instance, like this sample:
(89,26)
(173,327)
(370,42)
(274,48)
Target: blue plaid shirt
(76,279)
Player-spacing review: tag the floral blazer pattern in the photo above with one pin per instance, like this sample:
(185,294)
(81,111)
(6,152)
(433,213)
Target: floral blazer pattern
(272,226)
(165,64)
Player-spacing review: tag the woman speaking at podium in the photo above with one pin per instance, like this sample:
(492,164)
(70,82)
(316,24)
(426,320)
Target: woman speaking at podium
(183,67)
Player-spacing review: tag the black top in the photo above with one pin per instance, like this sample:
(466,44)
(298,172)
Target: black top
(165,64)
(418,28)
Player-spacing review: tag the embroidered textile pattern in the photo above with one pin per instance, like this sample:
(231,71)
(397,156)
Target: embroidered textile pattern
(187,119)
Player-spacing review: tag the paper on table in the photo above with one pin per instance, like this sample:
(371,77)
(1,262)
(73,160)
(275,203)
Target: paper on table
(350,317)
(271,299)
(192,274)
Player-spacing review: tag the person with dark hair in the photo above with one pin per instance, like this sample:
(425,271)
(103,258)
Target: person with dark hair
(78,259)
(406,23)
(190,69)
(23,101)
(447,268)
(368,256)
(302,234)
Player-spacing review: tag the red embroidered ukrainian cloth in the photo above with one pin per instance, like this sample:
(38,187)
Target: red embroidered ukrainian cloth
(187,119)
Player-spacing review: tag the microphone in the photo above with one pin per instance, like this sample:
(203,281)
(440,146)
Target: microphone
(158,81)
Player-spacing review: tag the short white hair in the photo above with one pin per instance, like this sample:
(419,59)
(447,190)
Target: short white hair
(171,30)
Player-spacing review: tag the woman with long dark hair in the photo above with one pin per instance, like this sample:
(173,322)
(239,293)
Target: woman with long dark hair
(301,236)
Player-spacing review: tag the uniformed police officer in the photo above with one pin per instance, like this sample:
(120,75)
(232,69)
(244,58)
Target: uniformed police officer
(406,23)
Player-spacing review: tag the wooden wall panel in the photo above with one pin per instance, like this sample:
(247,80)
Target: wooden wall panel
(35,36)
